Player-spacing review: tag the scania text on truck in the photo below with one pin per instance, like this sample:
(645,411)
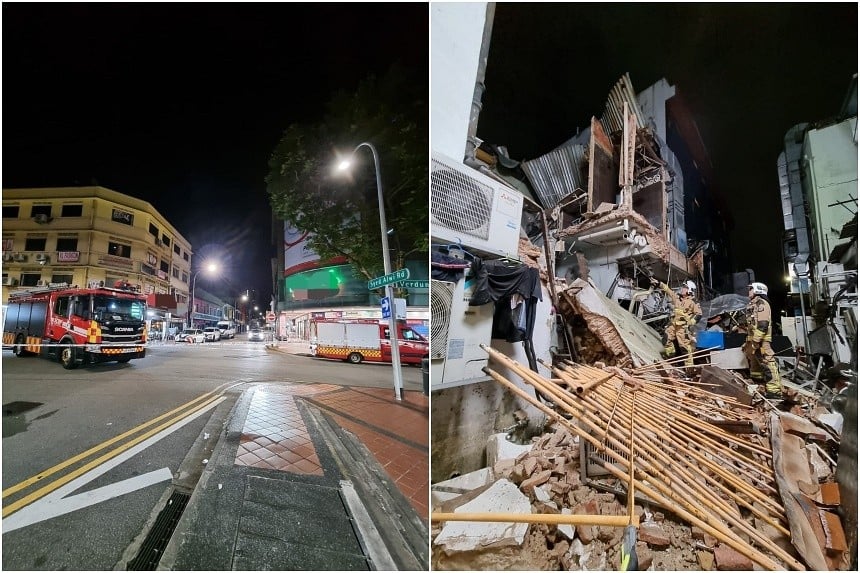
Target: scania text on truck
(77,325)
(360,340)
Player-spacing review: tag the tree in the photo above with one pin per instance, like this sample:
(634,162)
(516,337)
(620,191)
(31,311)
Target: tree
(341,210)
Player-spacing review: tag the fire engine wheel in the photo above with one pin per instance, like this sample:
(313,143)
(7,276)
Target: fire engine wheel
(68,357)
(355,358)
(18,350)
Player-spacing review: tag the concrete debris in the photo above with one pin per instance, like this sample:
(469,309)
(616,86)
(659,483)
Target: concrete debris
(456,487)
(756,532)
(499,449)
(502,496)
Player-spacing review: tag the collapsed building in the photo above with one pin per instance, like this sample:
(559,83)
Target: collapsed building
(540,272)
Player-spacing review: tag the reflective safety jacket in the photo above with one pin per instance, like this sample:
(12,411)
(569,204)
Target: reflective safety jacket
(684,308)
(758,320)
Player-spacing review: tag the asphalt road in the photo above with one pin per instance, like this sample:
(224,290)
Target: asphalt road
(51,415)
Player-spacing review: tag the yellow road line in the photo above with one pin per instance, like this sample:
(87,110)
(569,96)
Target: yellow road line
(48,488)
(50,471)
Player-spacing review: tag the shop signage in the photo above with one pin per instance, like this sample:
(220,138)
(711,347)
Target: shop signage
(123,217)
(68,256)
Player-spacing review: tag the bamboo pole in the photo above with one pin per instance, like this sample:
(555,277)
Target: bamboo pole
(718,531)
(541,384)
(679,449)
(692,487)
(547,518)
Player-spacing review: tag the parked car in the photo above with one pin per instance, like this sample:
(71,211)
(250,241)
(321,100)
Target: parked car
(191,335)
(212,333)
(255,334)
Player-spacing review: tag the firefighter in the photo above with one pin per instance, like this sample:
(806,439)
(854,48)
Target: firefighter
(686,312)
(763,367)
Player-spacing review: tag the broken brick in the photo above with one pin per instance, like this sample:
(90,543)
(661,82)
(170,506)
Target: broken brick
(585,533)
(528,485)
(728,559)
(653,535)
(705,559)
(518,474)
(503,469)
(530,465)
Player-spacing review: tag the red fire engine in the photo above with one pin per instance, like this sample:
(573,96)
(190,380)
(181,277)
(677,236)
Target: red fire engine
(77,325)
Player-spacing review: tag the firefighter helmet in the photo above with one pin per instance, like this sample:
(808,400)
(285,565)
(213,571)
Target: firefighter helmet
(690,285)
(758,288)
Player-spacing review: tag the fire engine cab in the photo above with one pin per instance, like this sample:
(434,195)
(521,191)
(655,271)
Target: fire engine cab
(77,325)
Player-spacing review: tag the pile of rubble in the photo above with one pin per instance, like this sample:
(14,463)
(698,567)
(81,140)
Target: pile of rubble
(716,483)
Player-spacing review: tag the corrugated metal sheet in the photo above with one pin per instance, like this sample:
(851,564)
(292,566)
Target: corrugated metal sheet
(613,114)
(557,174)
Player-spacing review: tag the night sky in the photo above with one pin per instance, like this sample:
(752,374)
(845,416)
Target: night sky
(182,104)
(747,72)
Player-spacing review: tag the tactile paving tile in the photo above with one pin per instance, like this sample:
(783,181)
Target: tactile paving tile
(275,436)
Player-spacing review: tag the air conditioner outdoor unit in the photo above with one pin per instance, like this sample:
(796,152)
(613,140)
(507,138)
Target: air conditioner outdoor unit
(41,219)
(9,281)
(470,209)
(20,257)
(457,331)
(42,257)
(41,283)
(7,257)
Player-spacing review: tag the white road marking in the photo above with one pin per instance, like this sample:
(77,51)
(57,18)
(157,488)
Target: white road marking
(48,508)
(56,503)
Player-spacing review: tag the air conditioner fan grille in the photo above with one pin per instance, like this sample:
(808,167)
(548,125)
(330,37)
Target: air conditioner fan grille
(441,298)
(459,202)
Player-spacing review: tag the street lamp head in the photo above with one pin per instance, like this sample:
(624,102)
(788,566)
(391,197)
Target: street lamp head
(212,267)
(344,165)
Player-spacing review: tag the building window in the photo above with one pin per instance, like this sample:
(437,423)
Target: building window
(40,210)
(166,240)
(72,211)
(176,249)
(68,279)
(153,230)
(165,267)
(118,250)
(35,244)
(185,256)
(185,278)
(30,279)
(67,243)
(175,273)
(10,211)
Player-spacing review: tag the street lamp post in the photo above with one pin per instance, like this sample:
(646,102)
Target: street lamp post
(211,267)
(386,261)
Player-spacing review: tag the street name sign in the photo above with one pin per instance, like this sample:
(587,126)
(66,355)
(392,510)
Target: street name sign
(415,284)
(388,279)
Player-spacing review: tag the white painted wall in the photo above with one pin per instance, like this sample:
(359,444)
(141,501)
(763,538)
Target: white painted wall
(456,33)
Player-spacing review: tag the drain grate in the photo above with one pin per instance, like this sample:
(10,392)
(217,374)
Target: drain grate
(159,536)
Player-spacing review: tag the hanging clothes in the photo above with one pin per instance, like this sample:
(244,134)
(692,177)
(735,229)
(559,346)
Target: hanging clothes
(499,280)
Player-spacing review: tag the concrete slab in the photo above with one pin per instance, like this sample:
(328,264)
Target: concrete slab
(499,448)
(502,496)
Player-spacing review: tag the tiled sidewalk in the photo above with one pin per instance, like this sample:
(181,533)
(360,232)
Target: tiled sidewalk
(396,433)
(274,435)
